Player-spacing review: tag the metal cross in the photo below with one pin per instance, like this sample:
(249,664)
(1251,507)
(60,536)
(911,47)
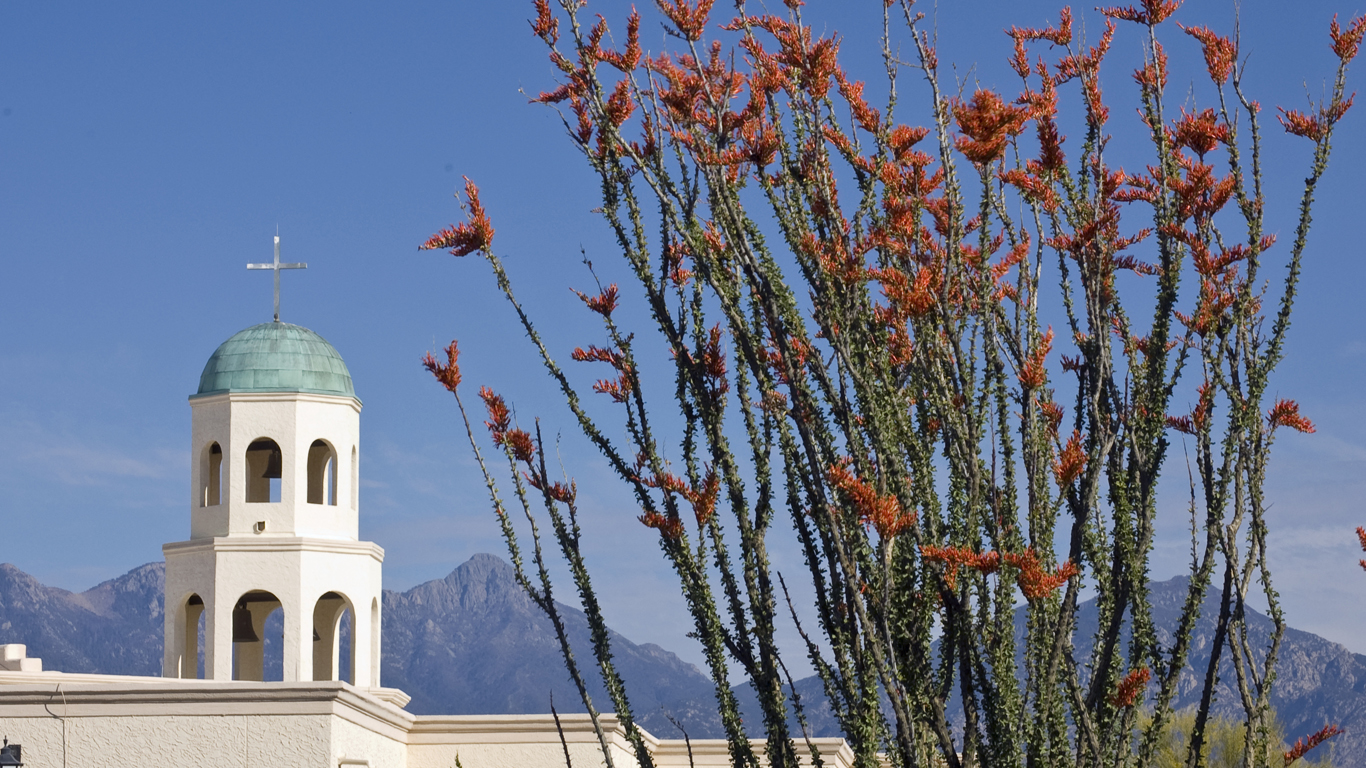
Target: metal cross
(277,266)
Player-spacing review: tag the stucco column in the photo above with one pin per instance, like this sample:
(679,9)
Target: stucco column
(218,636)
(376,636)
(361,650)
(174,641)
(298,660)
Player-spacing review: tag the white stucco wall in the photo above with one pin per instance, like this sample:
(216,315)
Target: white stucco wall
(95,720)
(380,749)
(512,741)
(200,724)
(293,420)
(164,740)
(294,550)
(298,571)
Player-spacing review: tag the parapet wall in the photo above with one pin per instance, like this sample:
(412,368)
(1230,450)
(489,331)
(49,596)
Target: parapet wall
(93,720)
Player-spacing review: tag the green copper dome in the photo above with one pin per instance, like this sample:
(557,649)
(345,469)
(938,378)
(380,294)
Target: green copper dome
(276,357)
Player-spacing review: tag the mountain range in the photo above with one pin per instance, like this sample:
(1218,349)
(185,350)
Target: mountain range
(474,643)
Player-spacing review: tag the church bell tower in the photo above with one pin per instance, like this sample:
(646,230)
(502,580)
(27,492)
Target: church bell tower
(274,517)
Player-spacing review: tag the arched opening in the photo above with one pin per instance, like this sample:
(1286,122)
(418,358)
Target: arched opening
(265,467)
(211,472)
(355,477)
(322,473)
(258,642)
(192,654)
(333,649)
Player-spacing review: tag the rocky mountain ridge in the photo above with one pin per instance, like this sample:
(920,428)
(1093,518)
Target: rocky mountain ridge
(473,643)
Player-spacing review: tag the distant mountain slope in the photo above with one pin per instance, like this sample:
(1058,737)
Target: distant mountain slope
(471,643)
(1317,681)
(474,643)
(115,628)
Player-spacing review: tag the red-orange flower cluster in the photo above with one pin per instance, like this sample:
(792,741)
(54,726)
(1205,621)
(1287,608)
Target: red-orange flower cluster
(519,442)
(702,499)
(987,124)
(1314,127)
(1200,193)
(668,527)
(1052,413)
(800,352)
(1153,74)
(596,354)
(1198,418)
(546,26)
(1087,67)
(954,558)
(1220,52)
(714,362)
(1032,374)
(1201,131)
(626,60)
(883,512)
(774,403)
(1059,35)
(1302,746)
(673,256)
(801,60)
(464,239)
(1152,13)
(868,118)
(1286,413)
(911,295)
(499,424)
(1034,581)
(1346,44)
(903,138)
(1071,461)
(1131,688)
(1361,537)
(689,18)
(448,374)
(1034,188)
(603,303)
(710,364)
(499,416)
(1220,283)
(565,494)
(618,388)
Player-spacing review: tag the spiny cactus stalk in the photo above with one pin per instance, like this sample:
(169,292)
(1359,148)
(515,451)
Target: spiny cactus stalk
(878,368)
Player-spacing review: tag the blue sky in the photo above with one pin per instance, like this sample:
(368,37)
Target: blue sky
(148,151)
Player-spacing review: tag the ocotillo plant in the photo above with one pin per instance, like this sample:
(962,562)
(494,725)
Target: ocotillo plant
(876,367)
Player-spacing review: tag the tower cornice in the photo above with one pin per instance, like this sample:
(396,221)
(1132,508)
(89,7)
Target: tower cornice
(275,397)
(268,543)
